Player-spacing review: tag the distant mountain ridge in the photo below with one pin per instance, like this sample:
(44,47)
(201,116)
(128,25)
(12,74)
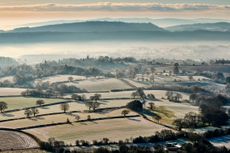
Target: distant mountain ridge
(118,31)
(92,26)
(219,26)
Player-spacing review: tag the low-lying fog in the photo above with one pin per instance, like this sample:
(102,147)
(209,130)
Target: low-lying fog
(183,50)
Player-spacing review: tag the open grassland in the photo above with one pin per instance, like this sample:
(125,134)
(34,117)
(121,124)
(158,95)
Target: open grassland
(167,110)
(114,129)
(112,95)
(50,119)
(61,78)
(164,78)
(7,78)
(22,102)
(74,106)
(137,84)
(93,85)
(179,109)
(11,91)
(26,151)
(15,140)
(117,129)
(127,94)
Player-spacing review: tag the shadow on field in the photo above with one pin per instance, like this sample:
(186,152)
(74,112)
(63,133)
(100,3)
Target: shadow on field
(8,115)
(45,107)
(36,118)
(148,112)
(134,119)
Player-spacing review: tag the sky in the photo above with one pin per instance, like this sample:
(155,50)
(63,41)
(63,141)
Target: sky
(21,12)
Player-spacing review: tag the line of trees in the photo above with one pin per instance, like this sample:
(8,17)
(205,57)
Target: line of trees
(211,112)
(31,112)
(173,96)
(196,144)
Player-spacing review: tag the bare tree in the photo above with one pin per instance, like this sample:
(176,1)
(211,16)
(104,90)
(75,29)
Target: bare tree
(28,113)
(152,106)
(157,117)
(34,111)
(169,94)
(92,105)
(134,95)
(65,107)
(70,79)
(125,112)
(77,117)
(176,68)
(3,106)
(40,102)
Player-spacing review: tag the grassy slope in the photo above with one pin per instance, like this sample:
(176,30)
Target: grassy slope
(21,102)
(118,129)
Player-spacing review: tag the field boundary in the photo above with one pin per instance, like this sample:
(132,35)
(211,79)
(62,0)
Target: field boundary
(45,105)
(80,121)
(48,114)
(128,83)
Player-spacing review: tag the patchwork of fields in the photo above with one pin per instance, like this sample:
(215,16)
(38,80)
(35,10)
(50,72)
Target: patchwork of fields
(115,129)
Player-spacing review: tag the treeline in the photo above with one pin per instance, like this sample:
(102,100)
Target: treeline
(211,112)
(222,61)
(46,90)
(195,144)
(26,74)
(7,61)
(102,61)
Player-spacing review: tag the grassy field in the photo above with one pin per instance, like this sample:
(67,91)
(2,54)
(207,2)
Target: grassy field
(114,129)
(127,94)
(74,106)
(21,102)
(61,78)
(26,151)
(59,118)
(11,91)
(164,78)
(93,85)
(117,129)
(7,78)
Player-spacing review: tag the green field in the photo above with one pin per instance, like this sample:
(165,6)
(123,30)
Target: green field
(22,102)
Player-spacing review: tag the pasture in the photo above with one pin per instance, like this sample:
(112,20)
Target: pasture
(99,85)
(116,129)
(60,78)
(7,78)
(4,92)
(22,102)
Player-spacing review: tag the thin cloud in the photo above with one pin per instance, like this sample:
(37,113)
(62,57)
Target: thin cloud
(109,6)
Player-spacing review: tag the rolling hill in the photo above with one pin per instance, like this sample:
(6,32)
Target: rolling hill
(115,31)
(92,26)
(219,26)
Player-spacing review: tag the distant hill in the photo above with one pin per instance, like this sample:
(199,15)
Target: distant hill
(115,31)
(92,26)
(165,22)
(219,26)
